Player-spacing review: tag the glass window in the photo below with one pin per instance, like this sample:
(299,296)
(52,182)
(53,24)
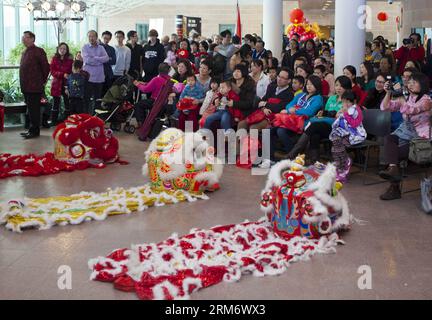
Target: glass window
(40,32)
(72,31)
(230,27)
(9,26)
(142,30)
(52,31)
(24,23)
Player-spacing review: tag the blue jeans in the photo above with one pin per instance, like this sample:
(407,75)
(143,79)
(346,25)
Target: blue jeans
(221,115)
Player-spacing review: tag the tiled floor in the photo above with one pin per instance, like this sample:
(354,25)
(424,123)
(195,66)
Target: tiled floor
(396,242)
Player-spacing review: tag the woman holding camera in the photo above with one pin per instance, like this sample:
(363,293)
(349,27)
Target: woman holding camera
(416,113)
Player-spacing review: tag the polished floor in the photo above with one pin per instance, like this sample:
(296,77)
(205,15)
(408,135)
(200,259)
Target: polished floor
(396,241)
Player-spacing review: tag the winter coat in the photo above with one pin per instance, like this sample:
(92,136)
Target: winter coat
(58,69)
(34,70)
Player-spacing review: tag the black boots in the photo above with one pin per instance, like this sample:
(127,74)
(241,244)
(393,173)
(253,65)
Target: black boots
(392,193)
(392,173)
(45,118)
(299,147)
(54,118)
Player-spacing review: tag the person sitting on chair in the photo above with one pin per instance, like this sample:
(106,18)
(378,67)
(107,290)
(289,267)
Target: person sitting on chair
(416,113)
(153,87)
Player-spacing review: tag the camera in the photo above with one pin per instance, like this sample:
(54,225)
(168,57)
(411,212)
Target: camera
(390,1)
(395,93)
(407,41)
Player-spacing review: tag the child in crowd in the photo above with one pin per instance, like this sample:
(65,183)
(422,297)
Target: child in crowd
(298,85)
(347,130)
(195,92)
(272,73)
(320,71)
(171,58)
(223,113)
(208,106)
(76,84)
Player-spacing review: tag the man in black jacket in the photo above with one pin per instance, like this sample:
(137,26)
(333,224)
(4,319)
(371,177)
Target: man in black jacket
(278,95)
(153,56)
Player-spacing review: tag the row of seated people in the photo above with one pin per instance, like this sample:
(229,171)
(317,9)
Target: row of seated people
(302,119)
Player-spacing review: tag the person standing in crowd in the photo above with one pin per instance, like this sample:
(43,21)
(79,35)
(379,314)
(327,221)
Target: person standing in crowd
(368,52)
(174,37)
(376,53)
(291,54)
(76,85)
(165,42)
(109,76)
(136,66)
(61,68)
(94,56)
(410,51)
(123,54)
(250,40)
(34,71)
(311,51)
(225,49)
(153,56)
(259,50)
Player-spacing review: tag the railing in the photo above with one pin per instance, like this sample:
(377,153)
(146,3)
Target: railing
(9,67)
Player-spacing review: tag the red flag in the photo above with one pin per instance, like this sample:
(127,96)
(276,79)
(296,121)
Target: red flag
(238,31)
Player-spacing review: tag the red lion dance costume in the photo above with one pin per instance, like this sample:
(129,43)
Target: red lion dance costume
(81,142)
(304,213)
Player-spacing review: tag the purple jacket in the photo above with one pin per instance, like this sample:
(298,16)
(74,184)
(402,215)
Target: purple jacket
(417,113)
(94,58)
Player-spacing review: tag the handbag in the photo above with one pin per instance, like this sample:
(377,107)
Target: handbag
(426,195)
(420,149)
(292,122)
(255,117)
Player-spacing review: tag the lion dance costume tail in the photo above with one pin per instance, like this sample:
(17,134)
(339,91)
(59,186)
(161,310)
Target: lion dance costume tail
(304,213)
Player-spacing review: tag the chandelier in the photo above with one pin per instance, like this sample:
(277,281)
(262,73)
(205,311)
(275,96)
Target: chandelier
(54,10)
(59,12)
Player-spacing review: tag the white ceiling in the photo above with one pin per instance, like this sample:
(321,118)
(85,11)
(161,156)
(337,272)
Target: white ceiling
(103,8)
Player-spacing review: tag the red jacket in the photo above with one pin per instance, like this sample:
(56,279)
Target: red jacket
(404,54)
(58,69)
(34,70)
(325,88)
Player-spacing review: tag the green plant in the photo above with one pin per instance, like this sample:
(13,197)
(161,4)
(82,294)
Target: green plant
(9,84)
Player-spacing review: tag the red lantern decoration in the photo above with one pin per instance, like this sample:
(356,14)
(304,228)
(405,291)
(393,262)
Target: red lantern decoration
(382,16)
(296,16)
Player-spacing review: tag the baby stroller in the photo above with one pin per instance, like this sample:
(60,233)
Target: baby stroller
(117,105)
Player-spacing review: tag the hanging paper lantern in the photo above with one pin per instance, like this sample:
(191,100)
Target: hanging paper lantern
(296,16)
(382,16)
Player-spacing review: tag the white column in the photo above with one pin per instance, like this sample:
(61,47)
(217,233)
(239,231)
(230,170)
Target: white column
(350,34)
(272,26)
